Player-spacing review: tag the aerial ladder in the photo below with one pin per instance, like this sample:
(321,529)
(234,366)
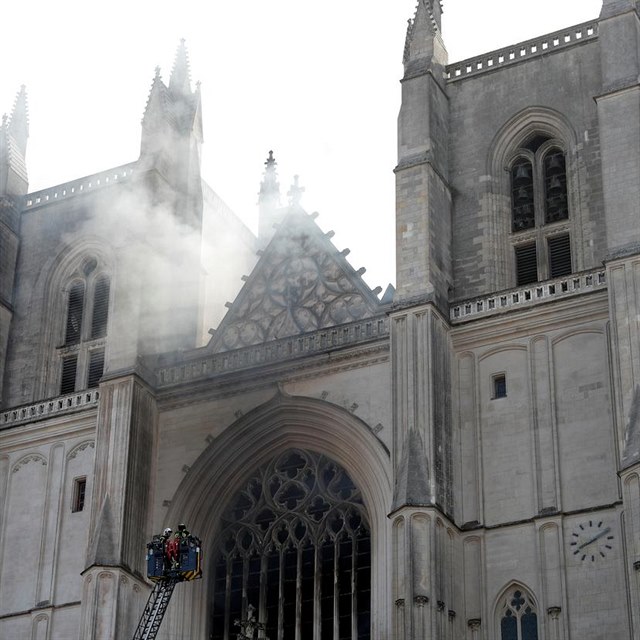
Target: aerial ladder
(171,558)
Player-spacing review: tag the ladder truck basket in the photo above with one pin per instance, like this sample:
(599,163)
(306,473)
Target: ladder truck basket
(171,558)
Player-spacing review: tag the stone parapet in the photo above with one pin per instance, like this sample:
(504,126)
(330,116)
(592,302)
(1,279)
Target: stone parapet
(526,50)
(62,405)
(528,296)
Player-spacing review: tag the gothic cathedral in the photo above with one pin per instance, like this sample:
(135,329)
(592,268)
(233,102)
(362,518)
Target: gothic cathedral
(455,458)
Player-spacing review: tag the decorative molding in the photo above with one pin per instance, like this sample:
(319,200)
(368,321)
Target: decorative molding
(79,448)
(400,602)
(293,348)
(421,600)
(32,457)
(474,623)
(441,605)
(554,612)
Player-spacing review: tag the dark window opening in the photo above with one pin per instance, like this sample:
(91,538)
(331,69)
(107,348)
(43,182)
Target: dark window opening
(100,308)
(535,142)
(555,187)
(68,377)
(79,491)
(559,256)
(74,314)
(96,368)
(499,386)
(526,264)
(296,549)
(519,620)
(522,199)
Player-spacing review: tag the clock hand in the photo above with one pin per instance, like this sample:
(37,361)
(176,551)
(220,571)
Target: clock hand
(588,542)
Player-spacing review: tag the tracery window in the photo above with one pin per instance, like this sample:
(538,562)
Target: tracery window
(540,211)
(82,354)
(518,616)
(295,545)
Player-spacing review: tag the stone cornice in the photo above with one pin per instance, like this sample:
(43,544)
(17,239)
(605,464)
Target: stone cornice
(49,431)
(330,344)
(256,379)
(622,253)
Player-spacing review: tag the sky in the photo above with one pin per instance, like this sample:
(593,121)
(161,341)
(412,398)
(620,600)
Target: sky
(316,82)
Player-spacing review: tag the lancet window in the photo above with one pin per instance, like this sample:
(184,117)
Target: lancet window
(82,354)
(540,211)
(294,554)
(518,616)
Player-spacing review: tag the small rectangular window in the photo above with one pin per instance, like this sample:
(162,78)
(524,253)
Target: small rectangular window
(559,256)
(526,264)
(68,378)
(499,386)
(96,368)
(79,491)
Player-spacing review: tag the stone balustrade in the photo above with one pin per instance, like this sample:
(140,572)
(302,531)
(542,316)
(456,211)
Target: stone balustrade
(48,408)
(278,350)
(77,187)
(522,51)
(527,296)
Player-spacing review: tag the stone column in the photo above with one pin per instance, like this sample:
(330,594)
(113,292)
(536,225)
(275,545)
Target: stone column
(544,429)
(124,467)
(551,552)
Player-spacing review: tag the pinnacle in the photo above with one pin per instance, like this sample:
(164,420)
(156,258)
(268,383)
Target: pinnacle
(180,80)
(270,185)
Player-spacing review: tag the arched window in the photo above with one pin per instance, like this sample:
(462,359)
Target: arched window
(294,554)
(82,354)
(540,211)
(518,616)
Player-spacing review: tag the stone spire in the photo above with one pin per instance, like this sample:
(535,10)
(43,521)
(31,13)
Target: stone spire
(295,192)
(425,27)
(180,80)
(269,200)
(19,121)
(14,132)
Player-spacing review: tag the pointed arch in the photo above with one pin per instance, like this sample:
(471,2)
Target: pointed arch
(536,217)
(64,317)
(284,423)
(516,613)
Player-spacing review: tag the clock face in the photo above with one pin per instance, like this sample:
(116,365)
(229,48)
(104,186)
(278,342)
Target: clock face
(591,541)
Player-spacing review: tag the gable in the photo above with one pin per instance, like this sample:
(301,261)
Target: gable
(301,283)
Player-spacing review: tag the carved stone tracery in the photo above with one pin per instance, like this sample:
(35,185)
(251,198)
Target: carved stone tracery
(299,286)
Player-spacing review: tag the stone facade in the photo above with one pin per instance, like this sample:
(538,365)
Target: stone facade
(478,428)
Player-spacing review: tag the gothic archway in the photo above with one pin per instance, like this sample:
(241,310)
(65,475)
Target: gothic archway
(294,553)
(256,439)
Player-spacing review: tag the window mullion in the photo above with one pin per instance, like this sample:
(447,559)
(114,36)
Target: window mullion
(227,601)
(336,608)
(298,635)
(262,604)
(281,593)
(245,583)
(317,591)
(354,593)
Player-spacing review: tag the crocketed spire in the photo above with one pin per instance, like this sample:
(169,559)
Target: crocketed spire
(180,80)
(426,24)
(14,132)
